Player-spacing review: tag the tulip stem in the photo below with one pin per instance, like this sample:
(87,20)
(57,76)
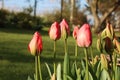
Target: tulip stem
(39,64)
(65,43)
(36,68)
(86,59)
(91,50)
(76,50)
(114,65)
(54,57)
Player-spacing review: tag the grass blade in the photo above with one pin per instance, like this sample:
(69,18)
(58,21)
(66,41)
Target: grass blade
(49,71)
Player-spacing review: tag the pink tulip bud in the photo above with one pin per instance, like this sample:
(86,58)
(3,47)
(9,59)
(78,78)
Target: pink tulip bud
(76,28)
(54,31)
(65,31)
(84,36)
(35,45)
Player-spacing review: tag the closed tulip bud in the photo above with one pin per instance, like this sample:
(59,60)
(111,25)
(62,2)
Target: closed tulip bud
(54,31)
(35,45)
(109,31)
(53,77)
(76,28)
(108,45)
(116,44)
(114,41)
(96,59)
(104,62)
(65,31)
(99,45)
(84,36)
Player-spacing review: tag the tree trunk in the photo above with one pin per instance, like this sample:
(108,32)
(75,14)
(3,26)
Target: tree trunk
(35,7)
(61,16)
(94,10)
(98,21)
(72,12)
(104,17)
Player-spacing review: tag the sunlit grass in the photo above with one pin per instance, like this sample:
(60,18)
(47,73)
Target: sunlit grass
(16,63)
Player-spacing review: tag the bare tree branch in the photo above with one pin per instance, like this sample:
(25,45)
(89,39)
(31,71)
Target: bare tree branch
(88,1)
(110,10)
(98,21)
(94,10)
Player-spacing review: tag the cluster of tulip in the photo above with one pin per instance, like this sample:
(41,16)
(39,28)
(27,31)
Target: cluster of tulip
(95,70)
(108,42)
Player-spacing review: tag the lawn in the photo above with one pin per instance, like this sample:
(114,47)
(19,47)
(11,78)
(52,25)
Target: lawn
(16,62)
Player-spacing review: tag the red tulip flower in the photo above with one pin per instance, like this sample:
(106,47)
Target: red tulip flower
(76,28)
(35,45)
(65,31)
(54,31)
(84,36)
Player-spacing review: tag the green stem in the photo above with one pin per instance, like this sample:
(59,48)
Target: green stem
(39,64)
(36,68)
(92,54)
(86,59)
(76,50)
(66,67)
(65,44)
(111,59)
(112,72)
(54,57)
(114,65)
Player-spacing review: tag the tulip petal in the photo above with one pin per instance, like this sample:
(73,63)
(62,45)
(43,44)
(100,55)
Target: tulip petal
(84,36)
(35,45)
(76,28)
(54,31)
(65,31)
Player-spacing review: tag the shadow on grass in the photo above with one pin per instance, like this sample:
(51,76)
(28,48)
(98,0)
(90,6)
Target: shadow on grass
(22,31)
(22,58)
(17,57)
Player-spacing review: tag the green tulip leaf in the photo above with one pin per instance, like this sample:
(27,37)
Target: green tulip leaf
(103,34)
(78,74)
(99,46)
(117,73)
(104,75)
(92,73)
(66,67)
(98,69)
(73,70)
(29,78)
(69,78)
(59,72)
(83,64)
(96,65)
(91,77)
(48,68)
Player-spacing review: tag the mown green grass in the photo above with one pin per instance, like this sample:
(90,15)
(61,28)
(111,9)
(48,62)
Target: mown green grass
(16,62)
